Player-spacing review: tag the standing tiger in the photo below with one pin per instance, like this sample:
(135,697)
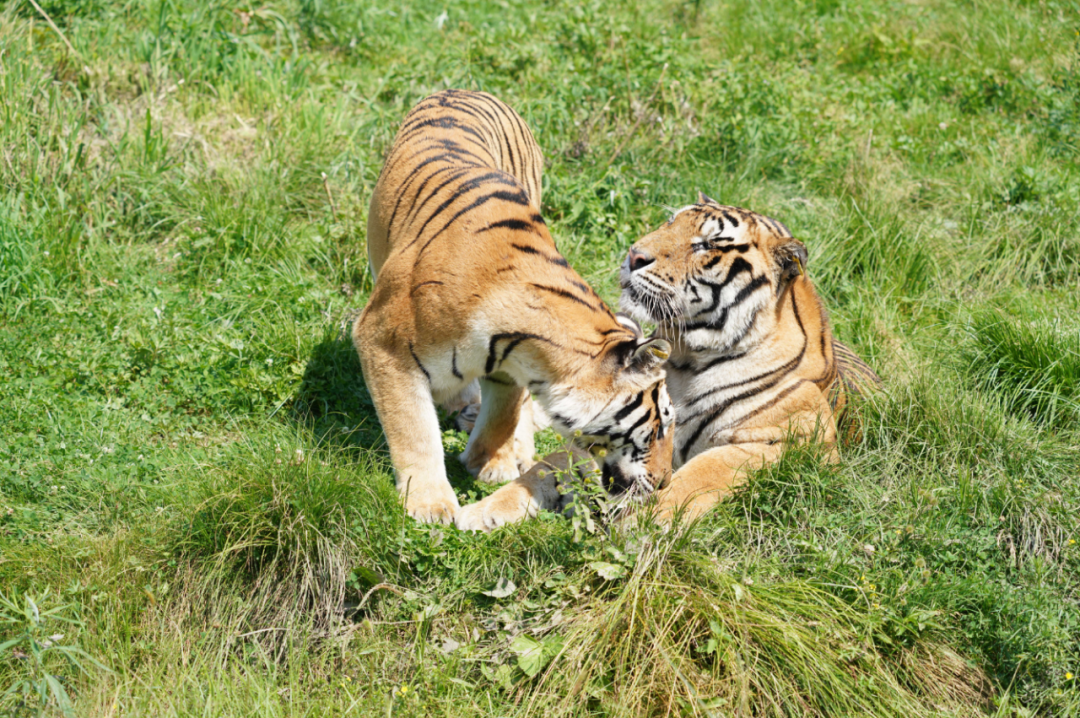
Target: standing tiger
(470,286)
(754,363)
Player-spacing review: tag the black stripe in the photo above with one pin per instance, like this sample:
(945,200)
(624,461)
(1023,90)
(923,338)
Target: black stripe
(771,403)
(516,338)
(738,266)
(453,365)
(414,195)
(563,293)
(417,360)
(408,131)
(519,225)
(495,177)
(556,259)
(583,287)
(748,290)
(518,197)
(629,408)
(713,262)
(740,248)
(421,284)
(626,435)
(564,420)
(414,209)
(782,369)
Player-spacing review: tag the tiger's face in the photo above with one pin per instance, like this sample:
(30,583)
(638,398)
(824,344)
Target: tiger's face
(705,276)
(636,456)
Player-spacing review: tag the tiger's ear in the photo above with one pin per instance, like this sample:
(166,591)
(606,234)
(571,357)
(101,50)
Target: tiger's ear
(703,198)
(791,258)
(649,354)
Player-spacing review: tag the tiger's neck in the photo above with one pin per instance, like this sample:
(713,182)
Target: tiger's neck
(720,387)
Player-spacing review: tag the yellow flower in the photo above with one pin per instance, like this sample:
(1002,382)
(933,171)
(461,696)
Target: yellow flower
(1072,542)
(1068,676)
(404,690)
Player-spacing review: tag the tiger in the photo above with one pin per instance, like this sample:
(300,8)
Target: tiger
(754,364)
(471,292)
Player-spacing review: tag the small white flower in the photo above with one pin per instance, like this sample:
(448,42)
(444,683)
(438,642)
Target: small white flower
(46,254)
(270,362)
(943,126)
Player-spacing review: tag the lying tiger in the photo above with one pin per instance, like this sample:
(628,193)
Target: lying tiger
(754,364)
(471,291)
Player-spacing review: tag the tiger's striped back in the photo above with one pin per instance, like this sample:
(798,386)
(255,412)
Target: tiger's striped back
(451,143)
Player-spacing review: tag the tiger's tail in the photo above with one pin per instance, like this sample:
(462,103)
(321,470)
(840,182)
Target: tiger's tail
(857,381)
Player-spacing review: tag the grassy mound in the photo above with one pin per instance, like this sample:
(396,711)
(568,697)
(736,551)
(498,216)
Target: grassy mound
(196,509)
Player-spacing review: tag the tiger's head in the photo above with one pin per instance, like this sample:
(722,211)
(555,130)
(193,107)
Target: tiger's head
(629,431)
(708,273)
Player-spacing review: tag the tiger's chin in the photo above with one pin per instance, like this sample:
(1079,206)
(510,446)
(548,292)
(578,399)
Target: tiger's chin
(642,307)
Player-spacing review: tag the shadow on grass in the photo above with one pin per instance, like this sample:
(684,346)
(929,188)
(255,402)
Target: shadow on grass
(334,408)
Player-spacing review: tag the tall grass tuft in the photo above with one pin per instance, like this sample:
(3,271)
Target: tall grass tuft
(687,636)
(285,529)
(1033,366)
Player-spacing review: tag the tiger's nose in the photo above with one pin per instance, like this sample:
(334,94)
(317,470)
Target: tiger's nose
(638,259)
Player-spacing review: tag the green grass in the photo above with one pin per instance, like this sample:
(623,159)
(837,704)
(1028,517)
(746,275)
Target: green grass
(194,488)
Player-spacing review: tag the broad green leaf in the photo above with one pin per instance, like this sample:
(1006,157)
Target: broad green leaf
(60,695)
(503,588)
(609,571)
(530,654)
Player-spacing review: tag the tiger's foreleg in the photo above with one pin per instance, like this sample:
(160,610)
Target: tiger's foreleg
(710,477)
(402,397)
(501,443)
(523,498)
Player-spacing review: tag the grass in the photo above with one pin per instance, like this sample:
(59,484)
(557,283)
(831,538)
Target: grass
(194,491)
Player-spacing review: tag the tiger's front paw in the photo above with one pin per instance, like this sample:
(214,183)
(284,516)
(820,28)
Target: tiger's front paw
(507,505)
(433,505)
(687,507)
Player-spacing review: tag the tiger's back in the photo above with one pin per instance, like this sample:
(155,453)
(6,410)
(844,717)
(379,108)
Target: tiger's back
(449,144)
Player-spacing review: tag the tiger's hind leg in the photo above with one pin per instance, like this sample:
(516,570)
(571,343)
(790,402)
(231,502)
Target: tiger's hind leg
(501,443)
(466,405)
